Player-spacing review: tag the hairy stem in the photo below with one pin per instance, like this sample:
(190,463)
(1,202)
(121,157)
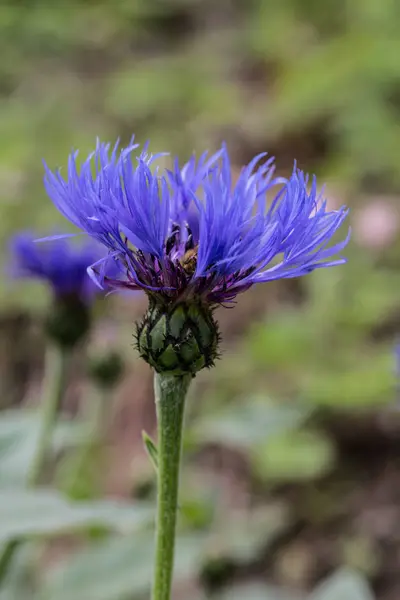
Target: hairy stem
(170,394)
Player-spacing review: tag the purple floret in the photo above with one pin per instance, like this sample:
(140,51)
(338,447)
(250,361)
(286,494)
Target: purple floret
(61,263)
(190,234)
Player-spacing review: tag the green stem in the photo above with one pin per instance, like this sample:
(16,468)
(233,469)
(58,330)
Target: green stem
(55,370)
(56,363)
(170,394)
(6,557)
(99,407)
(99,411)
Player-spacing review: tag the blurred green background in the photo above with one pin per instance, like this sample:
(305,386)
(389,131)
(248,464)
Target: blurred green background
(292,446)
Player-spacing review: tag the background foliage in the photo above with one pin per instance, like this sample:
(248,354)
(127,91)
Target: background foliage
(292,440)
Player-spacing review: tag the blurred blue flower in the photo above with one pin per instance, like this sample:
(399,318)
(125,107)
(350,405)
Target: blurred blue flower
(61,263)
(191,233)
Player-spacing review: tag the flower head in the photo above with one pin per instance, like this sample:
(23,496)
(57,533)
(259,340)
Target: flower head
(62,264)
(193,239)
(190,234)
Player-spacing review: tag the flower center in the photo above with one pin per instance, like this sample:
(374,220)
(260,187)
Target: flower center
(182,249)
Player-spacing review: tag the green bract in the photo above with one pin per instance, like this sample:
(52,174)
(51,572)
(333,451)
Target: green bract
(178,340)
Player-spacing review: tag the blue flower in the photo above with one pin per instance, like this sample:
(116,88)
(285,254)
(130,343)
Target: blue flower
(191,233)
(62,264)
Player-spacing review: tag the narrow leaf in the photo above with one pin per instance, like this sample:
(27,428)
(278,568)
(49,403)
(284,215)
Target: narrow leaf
(151,449)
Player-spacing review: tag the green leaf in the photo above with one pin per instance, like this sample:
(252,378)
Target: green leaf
(243,538)
(368,384)
(243,425)
(283,342)
(299,455)
(26,513)
(19,431)
(345,584)
(119,569)
(151,449)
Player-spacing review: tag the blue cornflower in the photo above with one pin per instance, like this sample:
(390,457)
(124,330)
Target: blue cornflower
(61,264)
(191,234)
